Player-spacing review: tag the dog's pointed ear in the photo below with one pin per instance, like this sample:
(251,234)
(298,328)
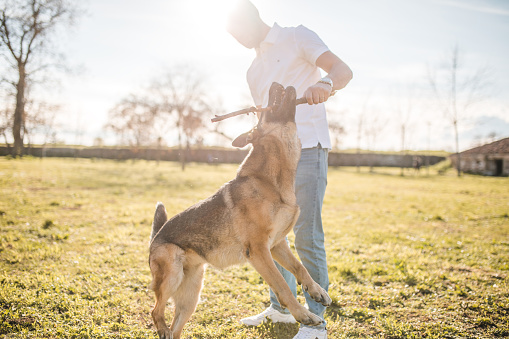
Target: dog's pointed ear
(289,99)
(276,94)
(241,141)
(245,138)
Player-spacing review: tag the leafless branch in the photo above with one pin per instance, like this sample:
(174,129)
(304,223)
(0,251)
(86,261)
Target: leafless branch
(457,91)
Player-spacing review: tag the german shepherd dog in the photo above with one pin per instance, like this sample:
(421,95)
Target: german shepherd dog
(247,219)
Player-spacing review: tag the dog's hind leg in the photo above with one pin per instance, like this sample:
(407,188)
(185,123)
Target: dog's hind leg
(186,298)
(283,255)
(259,256)
(167,273)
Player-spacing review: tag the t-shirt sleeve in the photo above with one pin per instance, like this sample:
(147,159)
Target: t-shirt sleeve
(256,98)
(309,44)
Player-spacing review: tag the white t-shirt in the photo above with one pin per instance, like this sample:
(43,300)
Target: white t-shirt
(288,56)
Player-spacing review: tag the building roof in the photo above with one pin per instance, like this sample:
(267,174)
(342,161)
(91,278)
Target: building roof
(497,147)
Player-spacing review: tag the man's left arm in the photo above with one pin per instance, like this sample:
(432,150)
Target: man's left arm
(338,72)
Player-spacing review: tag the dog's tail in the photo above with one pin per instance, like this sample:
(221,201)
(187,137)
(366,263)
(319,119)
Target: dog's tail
(160,218)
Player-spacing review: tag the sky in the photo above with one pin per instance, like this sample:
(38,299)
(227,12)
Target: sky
(119,46)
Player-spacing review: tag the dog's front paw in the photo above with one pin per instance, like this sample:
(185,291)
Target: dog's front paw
(165,334)
(307,318)
(319,294)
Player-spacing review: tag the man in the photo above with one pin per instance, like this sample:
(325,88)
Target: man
(293,56)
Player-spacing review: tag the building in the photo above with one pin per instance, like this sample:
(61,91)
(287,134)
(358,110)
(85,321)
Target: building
(490,159)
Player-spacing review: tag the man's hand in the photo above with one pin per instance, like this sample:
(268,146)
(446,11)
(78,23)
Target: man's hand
(318,93)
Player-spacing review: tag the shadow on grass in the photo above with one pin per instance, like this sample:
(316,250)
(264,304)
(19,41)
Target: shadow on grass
(277,330)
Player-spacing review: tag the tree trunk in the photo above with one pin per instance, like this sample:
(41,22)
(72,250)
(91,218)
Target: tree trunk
(458,157)
(185,154)
(9,150)
(182,156)
(402,148)
(158,155)
(19,112)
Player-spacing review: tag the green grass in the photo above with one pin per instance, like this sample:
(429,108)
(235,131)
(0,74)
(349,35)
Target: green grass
(409,257)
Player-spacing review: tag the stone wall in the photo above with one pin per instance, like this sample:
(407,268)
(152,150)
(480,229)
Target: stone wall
(379,159)
(209,155)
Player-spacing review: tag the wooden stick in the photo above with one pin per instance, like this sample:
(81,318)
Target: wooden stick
(253,109)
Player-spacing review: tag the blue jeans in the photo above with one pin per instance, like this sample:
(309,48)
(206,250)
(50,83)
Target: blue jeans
(310,184)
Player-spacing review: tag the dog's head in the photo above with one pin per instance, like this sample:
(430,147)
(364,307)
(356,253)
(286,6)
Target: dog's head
(282,113)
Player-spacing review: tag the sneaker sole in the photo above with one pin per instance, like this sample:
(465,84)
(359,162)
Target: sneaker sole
(257,323)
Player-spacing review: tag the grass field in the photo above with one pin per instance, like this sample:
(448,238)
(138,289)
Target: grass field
(409,257)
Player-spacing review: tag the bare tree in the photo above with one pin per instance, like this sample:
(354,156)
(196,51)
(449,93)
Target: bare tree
(361,126)
(192,123)
(223,129)
(216,107)
(39,119)
(338,130)
(375,124)
(98,142)
(27,30)
(5,122)
(181,94)
(456,91)
(175,102)
(335,126)
(132,120)
(405,111)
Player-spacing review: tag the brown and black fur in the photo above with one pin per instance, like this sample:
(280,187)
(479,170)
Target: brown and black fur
(245,220)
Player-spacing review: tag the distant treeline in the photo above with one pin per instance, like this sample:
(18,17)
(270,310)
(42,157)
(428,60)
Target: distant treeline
(211,155)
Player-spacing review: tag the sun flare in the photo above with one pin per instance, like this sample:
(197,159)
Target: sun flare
(206,14)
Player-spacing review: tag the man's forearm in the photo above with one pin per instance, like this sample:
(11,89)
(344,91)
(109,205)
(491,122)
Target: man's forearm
(337,70)
(340,74)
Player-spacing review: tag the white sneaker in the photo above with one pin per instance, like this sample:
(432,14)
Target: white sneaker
(311,333)
(270,313)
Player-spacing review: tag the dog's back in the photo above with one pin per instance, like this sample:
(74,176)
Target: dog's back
(200,228)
